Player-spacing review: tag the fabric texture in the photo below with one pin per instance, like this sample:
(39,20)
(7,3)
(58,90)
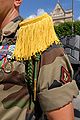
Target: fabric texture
(14,95)
(50,69)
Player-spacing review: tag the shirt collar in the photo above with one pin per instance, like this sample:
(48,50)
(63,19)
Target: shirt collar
(11,27)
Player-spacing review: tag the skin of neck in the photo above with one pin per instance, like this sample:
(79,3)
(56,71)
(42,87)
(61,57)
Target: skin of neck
(10,16)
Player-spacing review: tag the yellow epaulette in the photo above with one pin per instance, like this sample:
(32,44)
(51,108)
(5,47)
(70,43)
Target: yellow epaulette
(35,35)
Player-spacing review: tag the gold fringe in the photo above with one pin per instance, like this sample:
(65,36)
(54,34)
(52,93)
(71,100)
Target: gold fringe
(35,35)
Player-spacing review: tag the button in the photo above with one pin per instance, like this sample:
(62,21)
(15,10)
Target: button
(8,67)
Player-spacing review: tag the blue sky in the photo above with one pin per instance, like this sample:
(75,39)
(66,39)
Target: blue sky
(31,7)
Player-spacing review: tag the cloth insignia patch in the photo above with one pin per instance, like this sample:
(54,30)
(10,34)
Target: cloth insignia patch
(65,75)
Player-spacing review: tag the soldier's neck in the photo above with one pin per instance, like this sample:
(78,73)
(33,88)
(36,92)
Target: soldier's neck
(10,16)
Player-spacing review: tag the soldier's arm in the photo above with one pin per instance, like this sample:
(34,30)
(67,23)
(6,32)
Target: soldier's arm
(64,113)
(57,87)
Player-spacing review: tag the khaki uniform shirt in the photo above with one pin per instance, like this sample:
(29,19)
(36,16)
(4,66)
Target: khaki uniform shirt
(55,86)
(14,95)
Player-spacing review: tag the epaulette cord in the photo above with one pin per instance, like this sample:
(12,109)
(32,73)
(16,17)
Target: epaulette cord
(31,76)
(37,58)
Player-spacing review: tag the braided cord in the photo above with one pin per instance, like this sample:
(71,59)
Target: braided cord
(37,58)
(29,79)
(31,76)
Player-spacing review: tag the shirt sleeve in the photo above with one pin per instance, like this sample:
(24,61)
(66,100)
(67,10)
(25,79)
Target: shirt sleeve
(56,86)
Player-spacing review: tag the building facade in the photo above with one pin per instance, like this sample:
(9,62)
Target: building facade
(59,15)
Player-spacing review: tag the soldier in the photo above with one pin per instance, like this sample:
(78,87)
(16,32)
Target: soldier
(55,87)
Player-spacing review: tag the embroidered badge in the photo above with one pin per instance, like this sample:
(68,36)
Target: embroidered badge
(65,75)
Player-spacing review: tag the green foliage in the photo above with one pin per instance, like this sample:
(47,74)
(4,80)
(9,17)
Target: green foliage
(77,27)
(65,29)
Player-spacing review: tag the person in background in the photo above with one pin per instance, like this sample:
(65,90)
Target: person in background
(55,96)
